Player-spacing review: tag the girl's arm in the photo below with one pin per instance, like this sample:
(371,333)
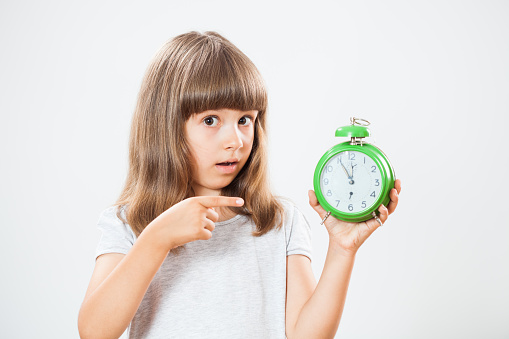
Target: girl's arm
(117,287)
(119,282)
(315,312)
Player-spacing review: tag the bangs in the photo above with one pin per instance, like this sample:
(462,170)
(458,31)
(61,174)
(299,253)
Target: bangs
(221,76)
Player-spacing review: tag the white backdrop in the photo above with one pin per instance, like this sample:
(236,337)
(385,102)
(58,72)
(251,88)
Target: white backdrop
(431,76)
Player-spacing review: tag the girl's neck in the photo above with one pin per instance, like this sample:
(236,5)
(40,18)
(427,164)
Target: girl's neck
(224,212)
(200,191)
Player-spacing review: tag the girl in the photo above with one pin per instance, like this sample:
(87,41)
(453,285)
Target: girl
(197,246)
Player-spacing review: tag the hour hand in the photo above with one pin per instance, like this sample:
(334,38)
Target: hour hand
(352,170)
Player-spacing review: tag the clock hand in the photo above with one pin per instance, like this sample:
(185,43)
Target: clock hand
(348,175)
(351,182)
(352,169)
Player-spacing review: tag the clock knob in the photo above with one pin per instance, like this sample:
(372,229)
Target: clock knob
(356,131)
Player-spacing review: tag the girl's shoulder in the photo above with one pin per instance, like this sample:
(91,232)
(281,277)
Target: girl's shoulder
(288,205)
(292,213)
(296,227)
(110,214)
(113,219)
(116,234)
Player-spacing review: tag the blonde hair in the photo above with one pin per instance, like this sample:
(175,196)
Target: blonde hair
(192,73)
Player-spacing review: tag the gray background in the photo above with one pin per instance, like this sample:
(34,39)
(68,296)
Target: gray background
(431,76)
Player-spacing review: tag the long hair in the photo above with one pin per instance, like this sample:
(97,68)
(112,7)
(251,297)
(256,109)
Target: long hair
(192,73)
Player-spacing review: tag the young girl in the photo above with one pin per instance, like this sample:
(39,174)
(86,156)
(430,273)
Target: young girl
(197,246)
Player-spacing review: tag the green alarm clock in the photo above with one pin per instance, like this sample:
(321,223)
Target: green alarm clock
(353,178)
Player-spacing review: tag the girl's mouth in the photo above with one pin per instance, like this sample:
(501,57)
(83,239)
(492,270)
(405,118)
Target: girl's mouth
(227,167)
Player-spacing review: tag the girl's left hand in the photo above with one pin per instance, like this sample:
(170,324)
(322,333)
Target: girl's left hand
(348,237)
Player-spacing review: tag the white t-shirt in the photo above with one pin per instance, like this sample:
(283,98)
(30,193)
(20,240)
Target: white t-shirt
(230,286)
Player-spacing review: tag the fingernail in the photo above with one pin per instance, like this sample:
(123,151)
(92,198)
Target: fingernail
(239,201)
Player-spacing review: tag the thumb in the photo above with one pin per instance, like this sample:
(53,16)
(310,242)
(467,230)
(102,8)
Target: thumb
(313,202)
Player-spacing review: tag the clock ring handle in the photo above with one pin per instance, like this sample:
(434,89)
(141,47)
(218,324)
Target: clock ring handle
(377,218)
(359,121)
(325,218)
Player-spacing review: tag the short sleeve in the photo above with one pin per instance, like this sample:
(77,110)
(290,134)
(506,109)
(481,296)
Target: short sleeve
(298,232)
(117,236)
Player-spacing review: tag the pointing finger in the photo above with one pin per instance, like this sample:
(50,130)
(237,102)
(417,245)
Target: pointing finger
(220,201)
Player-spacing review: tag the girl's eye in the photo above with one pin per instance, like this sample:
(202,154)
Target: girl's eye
(210,121)
(245,121)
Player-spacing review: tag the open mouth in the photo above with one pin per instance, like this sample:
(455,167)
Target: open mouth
(227,163)
(227,167)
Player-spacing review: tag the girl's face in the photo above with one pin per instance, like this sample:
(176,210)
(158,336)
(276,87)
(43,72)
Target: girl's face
(221,142)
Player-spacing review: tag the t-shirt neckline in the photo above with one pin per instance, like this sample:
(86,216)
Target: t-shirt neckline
(229,221)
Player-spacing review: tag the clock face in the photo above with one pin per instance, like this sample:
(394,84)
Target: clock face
(351,182)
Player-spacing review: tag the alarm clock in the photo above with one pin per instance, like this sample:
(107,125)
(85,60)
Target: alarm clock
(353,178)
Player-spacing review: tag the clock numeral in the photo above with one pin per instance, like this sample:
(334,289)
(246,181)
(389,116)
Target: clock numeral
(364,160)
(329,193)
(328,169)
(377,182)
(337,203)
(372,194)
(326,181)
(373,169)
(363,205)
(350,207)
(351,156)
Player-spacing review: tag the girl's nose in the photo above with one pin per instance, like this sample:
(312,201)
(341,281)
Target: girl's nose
(233,140)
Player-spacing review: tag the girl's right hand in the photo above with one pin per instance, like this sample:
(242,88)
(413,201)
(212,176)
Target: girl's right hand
(189,220)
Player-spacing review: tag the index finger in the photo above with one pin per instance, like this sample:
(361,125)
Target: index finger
(220,201)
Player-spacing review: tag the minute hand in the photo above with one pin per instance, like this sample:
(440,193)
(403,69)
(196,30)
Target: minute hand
(344,168)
